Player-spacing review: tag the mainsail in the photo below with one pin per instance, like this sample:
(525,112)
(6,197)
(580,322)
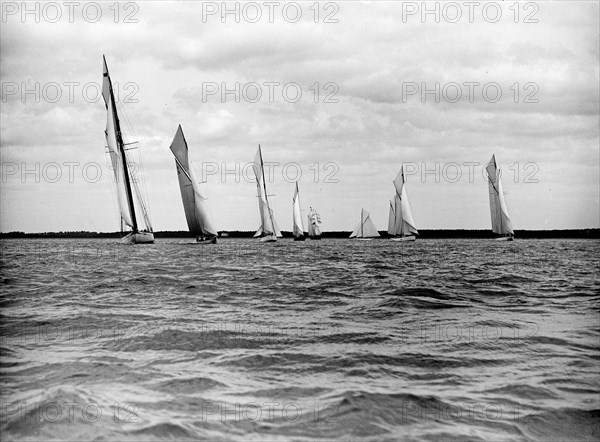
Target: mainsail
(500,221)
(401,222)
(297,215)
(268,226)
(366,228)
(194,199)
(129,195)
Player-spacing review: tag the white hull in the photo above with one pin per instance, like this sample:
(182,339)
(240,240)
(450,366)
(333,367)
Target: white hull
(364,239)
(269,238)
(405,238)
(504,238)
(138,238)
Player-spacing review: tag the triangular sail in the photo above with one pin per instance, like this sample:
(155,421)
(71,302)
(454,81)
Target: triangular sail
(298,228)
(195,202)
(499,213)
(366,228)
(404,223)
(268,224)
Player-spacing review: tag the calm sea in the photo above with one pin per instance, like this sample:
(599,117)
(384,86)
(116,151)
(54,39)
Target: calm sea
(331,339)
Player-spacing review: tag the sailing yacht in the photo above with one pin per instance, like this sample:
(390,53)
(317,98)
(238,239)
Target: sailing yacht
(129,196)
(501,224)
(401,225)
(297,227)
(268,230)
(314,220)
(366,229)
(194,200)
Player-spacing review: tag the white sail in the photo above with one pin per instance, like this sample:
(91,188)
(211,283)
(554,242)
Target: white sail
(392,219)
(500,220)
(117,162)
(311,228)
(404,223)
(298,228)
(366,228)
(314,219)
(129,196)
(194,200)
(268,226)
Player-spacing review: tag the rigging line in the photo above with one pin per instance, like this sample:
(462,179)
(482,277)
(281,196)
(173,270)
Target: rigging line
(140,161)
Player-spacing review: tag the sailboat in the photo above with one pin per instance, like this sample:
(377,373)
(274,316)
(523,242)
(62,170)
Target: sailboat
(268,230)
(366,229)
(129,196)
(401,225)
(501,224)
(298,229)
(194,201)
(314,219)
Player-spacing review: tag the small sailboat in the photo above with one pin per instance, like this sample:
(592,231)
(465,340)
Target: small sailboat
(194,200)
(268,230)
(366,229)
(297,227)
(314,221)
(129,196)
(501,224)
(401,225)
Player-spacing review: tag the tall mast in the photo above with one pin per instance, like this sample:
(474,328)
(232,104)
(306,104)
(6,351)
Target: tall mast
(121,149)
(361,224)
(495,185)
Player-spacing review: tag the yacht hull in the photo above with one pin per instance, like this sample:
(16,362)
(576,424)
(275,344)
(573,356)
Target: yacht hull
(138,238)
(405,238)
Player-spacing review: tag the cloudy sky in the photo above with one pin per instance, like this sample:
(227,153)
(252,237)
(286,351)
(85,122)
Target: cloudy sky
(348,92)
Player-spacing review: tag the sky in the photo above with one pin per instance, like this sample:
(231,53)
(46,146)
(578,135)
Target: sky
(338,94)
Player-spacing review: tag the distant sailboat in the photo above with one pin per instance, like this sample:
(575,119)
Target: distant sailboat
(314,221)
(194,201)
(128,193)
(401,225)
(500,221)
(298,228)
(268,230)
(366,229)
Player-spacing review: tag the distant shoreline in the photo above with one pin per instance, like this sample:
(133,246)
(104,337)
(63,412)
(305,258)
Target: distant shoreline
(424,234)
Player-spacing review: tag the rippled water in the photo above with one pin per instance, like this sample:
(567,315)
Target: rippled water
(337,339)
